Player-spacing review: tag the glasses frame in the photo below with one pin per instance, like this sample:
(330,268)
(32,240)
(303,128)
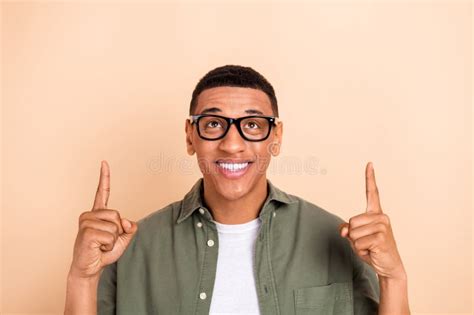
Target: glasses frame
(194,119)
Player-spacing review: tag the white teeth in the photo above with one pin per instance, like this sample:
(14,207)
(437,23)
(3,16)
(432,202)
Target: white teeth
(233,167)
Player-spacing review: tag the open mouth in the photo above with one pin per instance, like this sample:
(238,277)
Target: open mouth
(233,170)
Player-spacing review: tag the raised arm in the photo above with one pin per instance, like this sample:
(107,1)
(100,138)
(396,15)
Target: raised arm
(371,237)
(102,238)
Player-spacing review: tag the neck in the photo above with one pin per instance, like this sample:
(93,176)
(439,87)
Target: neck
(238,211)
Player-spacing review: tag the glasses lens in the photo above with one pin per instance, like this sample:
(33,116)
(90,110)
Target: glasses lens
(212,127)
(255,128)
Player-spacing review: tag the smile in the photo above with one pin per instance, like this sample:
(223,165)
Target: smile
(233,170)
(234,167)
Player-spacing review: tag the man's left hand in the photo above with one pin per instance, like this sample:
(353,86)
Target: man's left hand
(370,234)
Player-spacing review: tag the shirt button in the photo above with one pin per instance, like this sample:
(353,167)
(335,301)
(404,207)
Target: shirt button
(274,214)
(210,243)
(201,210)
(202,295)
(199,224)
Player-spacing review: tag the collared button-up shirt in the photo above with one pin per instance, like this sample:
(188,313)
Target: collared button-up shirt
(302,264)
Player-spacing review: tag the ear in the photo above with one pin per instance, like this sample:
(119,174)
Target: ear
(189,137)
(277,139)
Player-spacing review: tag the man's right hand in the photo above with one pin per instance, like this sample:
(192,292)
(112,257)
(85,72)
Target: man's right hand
(103,235)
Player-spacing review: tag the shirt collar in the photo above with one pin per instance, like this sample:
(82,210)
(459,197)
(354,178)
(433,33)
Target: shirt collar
(193,200)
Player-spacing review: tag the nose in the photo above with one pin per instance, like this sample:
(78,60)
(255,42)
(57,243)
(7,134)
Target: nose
(232,142)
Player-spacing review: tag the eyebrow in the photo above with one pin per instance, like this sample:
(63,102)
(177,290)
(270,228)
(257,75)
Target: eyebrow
(218,110)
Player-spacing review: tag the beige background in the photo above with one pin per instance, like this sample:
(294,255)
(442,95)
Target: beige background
(356,81)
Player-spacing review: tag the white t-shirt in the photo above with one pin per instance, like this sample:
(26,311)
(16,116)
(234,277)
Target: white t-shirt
(234,288)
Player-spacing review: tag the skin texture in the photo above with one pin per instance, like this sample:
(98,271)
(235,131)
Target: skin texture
(234,201)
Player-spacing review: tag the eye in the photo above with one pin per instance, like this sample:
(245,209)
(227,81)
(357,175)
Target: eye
(213,124)
(252,125)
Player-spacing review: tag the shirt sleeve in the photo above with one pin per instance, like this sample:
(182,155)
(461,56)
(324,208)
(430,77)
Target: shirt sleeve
(107,290)
(365,288)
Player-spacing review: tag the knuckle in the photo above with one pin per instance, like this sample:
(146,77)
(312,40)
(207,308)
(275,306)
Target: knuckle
(83,215)
(352,235)
(357,244)
(385,218)
(116,214)
(382,227)
(110,238)
(88,233)
(115,229)
(380,237)
(352,222)
(84,223)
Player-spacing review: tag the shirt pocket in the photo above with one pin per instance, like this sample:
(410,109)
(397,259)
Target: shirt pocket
(332,299)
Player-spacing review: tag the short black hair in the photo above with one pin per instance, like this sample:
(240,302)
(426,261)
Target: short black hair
(237,76)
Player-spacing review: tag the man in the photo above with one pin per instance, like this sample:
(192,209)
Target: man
(236,244)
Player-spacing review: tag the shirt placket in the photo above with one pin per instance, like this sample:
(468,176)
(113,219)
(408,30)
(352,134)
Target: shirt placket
(209,247)
(265,281)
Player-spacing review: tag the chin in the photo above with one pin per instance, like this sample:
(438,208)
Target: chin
(230,189)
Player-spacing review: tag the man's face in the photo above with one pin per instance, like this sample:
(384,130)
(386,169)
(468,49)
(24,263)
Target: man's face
(215,157)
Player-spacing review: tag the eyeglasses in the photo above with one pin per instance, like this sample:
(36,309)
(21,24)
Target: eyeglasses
(251,128)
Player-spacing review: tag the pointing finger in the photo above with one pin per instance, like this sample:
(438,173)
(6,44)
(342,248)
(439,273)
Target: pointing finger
(103,189)
(372,193)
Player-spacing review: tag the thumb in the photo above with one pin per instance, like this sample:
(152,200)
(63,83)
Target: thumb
(344,229)
(130,228)
(344,232)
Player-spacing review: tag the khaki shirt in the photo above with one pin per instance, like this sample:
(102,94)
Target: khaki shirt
(302,264)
